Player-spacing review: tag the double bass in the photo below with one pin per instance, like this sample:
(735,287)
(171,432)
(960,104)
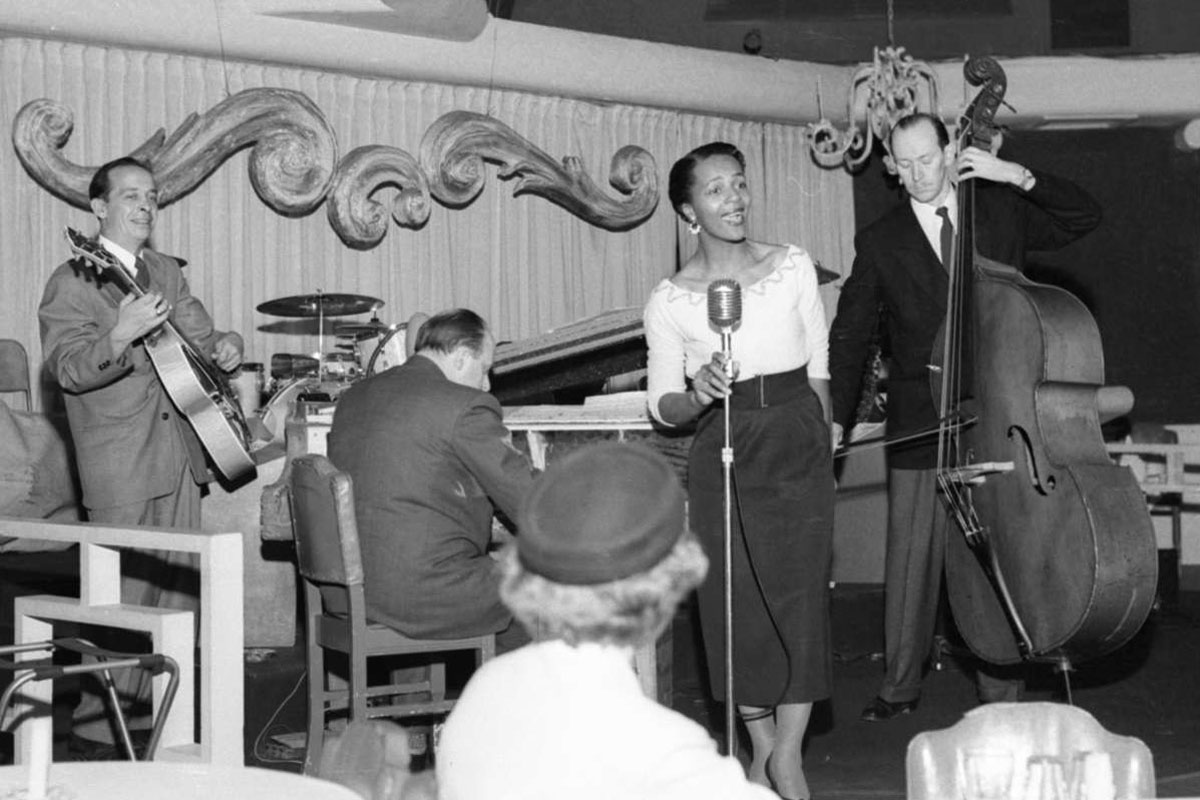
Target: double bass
(1056,560)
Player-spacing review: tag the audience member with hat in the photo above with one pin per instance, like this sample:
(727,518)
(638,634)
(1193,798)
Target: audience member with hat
(603,558)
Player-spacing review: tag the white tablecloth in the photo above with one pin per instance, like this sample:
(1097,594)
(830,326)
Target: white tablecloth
(105,780)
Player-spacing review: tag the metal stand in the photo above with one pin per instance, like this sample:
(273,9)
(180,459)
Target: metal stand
(727,470)
(43,668)
(320,337)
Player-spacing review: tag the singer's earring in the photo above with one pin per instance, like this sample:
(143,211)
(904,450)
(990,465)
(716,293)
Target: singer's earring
(694,228)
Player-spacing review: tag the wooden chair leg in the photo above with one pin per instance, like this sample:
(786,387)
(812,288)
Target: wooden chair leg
(358,683)
(316,708)
(437,680)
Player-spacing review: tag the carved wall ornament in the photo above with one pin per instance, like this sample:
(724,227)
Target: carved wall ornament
(456,145)
(294,165)
(358,219)
(291,163)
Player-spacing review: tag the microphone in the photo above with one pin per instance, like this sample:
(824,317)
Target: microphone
(725,304)
(725,314)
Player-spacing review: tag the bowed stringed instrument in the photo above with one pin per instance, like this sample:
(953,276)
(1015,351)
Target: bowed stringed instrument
(1056,560)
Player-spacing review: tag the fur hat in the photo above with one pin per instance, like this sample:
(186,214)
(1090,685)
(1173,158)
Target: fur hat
(604,512)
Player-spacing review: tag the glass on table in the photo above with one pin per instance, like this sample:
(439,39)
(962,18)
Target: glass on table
(985,773)
(1044,778)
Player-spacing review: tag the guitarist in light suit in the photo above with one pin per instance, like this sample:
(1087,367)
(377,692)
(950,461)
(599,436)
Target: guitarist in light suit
(139,461)
(898,276)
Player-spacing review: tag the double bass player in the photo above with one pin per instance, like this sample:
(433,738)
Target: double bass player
(898,280)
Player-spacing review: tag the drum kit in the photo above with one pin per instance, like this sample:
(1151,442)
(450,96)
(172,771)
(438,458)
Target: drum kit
(361,349)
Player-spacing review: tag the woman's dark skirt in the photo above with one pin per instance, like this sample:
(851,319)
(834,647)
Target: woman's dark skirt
(782,543)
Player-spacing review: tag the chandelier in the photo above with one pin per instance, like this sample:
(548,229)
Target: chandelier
(894,84)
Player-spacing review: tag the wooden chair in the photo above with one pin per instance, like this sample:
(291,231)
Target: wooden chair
(14,370)
(936,761)
(330,566)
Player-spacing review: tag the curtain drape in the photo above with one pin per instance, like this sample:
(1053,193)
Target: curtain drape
(524,263)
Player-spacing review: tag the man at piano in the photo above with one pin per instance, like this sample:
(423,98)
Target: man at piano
(139,461)
(431,460)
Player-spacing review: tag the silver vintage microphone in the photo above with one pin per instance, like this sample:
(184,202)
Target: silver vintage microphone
(725,314)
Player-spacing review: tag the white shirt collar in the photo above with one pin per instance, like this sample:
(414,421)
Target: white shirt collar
(127,258)
(928,211)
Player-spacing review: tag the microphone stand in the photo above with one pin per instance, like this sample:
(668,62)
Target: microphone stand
(727,471)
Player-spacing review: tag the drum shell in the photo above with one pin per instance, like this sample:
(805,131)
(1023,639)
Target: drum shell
(390,352)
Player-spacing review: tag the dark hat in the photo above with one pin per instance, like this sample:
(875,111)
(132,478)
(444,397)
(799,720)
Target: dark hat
(602,513)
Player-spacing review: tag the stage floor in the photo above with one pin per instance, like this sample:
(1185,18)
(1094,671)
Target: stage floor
(1149,689)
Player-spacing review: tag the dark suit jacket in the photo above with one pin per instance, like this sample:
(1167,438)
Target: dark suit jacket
(428,458)
(896,273)
(130,442)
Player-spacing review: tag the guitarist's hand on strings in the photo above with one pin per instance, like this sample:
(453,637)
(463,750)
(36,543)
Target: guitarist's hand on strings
(227,352)
(136,317)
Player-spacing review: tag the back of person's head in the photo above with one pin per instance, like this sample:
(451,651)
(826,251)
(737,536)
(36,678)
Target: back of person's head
(101,181)
(603,552)
(682,177)
(446,331)
(916,119)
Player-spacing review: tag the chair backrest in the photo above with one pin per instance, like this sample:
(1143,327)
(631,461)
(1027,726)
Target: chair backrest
(14,369)
(323,522)
(935,761)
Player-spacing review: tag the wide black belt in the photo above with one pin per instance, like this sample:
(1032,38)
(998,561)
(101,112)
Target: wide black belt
(764,391)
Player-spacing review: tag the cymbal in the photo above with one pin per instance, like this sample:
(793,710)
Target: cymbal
(315,305)
(360,330)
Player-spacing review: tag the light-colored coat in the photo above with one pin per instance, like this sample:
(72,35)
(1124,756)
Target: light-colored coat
(130,442)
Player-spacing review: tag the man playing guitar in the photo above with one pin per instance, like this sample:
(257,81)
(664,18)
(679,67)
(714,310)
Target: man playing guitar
(139,461)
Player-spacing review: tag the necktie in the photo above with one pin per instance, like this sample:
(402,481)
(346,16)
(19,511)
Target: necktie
(947,237)
(142,275)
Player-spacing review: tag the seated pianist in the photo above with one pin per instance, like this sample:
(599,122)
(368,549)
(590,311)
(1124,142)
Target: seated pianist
(602,560)
(431,460)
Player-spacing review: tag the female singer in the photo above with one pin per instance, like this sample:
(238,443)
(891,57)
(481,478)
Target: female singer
(783,479)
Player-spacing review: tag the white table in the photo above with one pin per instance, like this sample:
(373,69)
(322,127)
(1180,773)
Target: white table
(104,780)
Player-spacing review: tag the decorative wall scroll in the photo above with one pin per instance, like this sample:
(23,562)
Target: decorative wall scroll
(294,165)
(291,165)
(361,221)
(456,144)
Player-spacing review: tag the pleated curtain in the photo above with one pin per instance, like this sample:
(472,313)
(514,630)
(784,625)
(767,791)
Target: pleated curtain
(524,263)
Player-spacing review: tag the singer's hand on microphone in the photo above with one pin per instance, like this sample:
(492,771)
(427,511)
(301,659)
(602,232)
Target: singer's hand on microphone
(711,381)
(726,365)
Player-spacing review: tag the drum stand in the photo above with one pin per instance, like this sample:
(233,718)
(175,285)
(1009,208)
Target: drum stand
(320,338)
